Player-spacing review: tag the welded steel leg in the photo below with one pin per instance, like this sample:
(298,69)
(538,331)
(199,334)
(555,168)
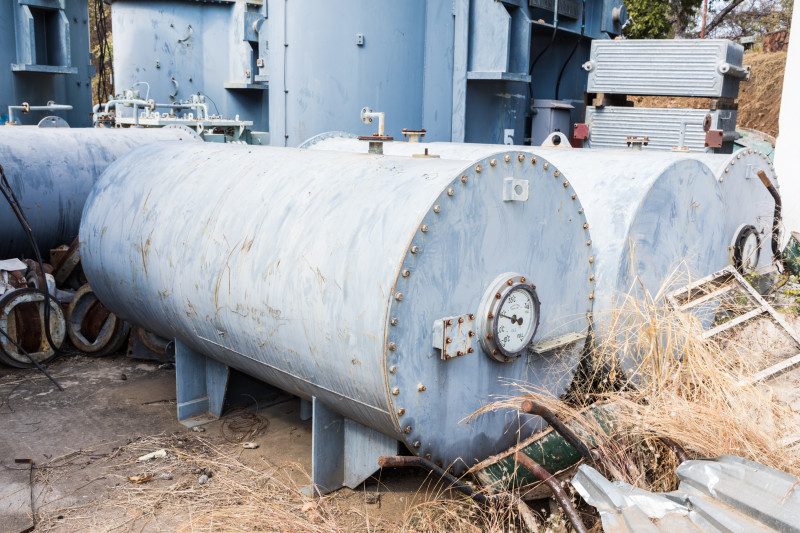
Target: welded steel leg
(201,384)
(344,453)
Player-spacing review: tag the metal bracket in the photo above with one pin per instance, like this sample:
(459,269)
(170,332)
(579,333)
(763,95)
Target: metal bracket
(555,343)
(343,452)
(515,190)
(453,335)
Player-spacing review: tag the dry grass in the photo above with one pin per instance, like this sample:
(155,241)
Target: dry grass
(260,497)
(678,386)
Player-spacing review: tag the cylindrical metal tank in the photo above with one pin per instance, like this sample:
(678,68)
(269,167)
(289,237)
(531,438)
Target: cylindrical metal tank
(749,206)
(52,171)
(658,219)
(336,275)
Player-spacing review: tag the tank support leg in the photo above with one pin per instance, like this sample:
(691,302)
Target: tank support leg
(305,409)
(201,383)
(343,452)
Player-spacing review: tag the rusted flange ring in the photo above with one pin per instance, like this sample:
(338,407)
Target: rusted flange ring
(22,317)
(92,328)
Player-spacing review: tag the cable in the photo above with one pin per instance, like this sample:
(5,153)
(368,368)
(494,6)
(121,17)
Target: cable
(574,48)
(8,192)
(40,367)
(210,100)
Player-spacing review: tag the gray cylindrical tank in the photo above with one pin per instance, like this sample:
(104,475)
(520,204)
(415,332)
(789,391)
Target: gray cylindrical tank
(750,208)
(52,171)
(327,274)
(656,218)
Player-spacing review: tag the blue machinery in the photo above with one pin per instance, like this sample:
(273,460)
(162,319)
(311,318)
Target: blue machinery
(44,49)
(464,70)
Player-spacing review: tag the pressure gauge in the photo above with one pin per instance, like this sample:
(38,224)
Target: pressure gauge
(509,317)
(746,248)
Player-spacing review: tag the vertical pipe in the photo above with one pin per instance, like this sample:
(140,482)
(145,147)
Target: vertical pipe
(703,26)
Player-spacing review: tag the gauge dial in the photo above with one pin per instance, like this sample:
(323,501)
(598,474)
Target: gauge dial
(509,317)
(516,321)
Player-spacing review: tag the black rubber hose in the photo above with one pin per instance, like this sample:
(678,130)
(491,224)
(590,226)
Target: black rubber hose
(402,460)
(776,218)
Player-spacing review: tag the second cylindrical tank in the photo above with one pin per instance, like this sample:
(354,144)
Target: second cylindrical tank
(52,170)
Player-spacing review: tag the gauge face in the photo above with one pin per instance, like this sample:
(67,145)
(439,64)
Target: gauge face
(746,249)
(508,317)
(516,321)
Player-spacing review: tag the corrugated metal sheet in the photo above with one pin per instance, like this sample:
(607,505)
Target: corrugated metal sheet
(666,128)
(725,494)
(675,67)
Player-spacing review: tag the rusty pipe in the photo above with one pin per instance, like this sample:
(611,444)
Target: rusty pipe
(402,461)
(776,218)
(676,448)
(558,492)
(533,408)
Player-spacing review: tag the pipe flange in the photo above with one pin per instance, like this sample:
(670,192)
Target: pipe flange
(22,317)
(92,328)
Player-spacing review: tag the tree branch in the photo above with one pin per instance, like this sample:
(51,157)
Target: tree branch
(718,18)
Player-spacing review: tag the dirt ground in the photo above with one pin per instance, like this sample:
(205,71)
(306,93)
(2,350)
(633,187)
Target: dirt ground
(84,443)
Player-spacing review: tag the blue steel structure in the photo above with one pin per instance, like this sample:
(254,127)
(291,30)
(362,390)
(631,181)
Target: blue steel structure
(44,56)
(464,70)
(172,50)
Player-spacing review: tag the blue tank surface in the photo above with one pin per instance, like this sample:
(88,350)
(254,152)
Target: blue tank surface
(44,57)
(463,70)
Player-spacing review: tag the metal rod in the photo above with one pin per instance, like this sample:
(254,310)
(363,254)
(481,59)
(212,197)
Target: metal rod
(27,108)
(703,25)
(538,470)
(401,461)
(676,448)
(533,408)
(776,218)
(34,361)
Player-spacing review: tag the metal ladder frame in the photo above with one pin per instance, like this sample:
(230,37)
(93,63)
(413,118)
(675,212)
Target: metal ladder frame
(717,285)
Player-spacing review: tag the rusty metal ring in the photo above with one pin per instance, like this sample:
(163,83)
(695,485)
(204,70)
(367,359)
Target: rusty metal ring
(92,328)
(152,342)
(22,317)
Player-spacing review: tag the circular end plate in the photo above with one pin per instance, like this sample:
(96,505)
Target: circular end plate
(481,226)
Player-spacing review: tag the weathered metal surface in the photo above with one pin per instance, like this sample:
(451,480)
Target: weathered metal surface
(52,171)
(748,202)
(709,68)
(91,327)
(725,494)
(656,218)
(22,317)
(330,284)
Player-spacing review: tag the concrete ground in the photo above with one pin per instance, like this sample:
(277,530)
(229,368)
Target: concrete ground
(83,443)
